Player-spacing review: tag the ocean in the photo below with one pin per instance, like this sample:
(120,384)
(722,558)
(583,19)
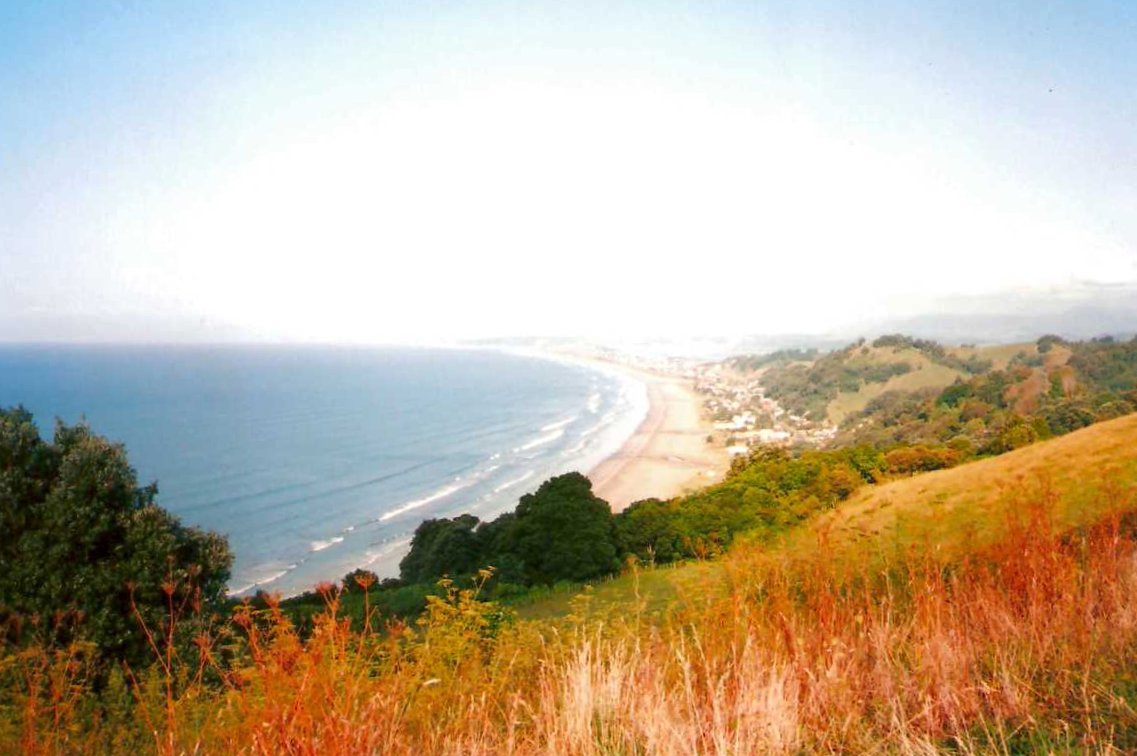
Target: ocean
(314,461)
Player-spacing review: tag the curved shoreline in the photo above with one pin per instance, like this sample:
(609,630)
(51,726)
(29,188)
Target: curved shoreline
(664,453)
(668,454)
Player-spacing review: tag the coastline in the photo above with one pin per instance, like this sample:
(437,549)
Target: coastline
(660,451)
(668,454)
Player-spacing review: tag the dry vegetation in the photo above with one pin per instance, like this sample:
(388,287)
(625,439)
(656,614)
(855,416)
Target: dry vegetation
(1028,642)
(957,508)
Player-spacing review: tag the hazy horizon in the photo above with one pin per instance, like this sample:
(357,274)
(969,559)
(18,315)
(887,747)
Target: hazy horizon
(386,173)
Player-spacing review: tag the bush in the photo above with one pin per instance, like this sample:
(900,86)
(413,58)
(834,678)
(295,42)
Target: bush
(85,545)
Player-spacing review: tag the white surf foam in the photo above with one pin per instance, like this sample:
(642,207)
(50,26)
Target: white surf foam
(540,441)
(371,557)
(579,447)
(262,581)
(321,545)
(594,403)
(558,424)
(604,421)
(441,493)
(514,482)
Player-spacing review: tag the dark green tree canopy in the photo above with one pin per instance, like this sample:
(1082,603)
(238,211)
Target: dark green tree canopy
(651,530)
(80,535)
(560,532)
(442,547)
(564,532)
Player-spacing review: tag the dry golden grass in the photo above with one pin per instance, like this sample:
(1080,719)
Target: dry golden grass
(954,510)
(1025,645)
(1025,640)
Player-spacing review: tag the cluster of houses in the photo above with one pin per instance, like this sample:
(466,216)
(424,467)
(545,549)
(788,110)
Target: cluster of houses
(742,411)
(736,402)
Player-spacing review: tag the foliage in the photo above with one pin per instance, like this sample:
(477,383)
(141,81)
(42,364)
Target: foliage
(780,357)
(1027,644)
(807,384)
(807,389)
(358,595)
(1002,410)
(936,352)
(764,495)
(563,532)
(560,532)
(442,547)
(921,458)
(1109,365)
(1047,342)
(86,551)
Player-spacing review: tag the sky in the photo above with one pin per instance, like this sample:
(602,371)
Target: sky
(419,171)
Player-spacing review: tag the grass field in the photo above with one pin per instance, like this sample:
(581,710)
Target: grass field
(955,510)
(987,631)
(925,374)
(951,511)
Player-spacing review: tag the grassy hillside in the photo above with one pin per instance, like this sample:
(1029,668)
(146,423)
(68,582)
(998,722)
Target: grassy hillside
(951,511)
(1063,383)
(925,373)
(967,506)
(833,385)
(1046,389)
(985,608)
(999,355)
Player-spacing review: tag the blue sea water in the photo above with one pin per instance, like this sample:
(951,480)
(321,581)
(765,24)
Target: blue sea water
(315,461)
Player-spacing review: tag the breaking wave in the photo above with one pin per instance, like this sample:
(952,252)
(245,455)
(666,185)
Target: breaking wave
(441,493)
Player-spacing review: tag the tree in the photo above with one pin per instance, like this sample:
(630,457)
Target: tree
(86,546)
(494,543)
(651,530)
(563,532)
(955,393)
(442,547)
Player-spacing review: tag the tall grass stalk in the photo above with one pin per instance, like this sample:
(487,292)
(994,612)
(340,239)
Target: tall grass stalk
(1029,644)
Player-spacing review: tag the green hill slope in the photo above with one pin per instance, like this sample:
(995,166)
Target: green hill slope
(949,511)
(957,509)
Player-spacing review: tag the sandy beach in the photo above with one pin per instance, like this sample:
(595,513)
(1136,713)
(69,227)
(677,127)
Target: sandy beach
(668,454)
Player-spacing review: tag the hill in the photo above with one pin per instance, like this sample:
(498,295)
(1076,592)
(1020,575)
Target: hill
(830,386)
(848,607)
(903,390)
(923,373)
(966,507)
(953,512)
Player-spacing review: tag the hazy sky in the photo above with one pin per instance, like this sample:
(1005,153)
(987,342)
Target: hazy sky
(421,170)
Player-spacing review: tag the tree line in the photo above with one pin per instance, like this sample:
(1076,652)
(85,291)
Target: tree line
(564,532)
